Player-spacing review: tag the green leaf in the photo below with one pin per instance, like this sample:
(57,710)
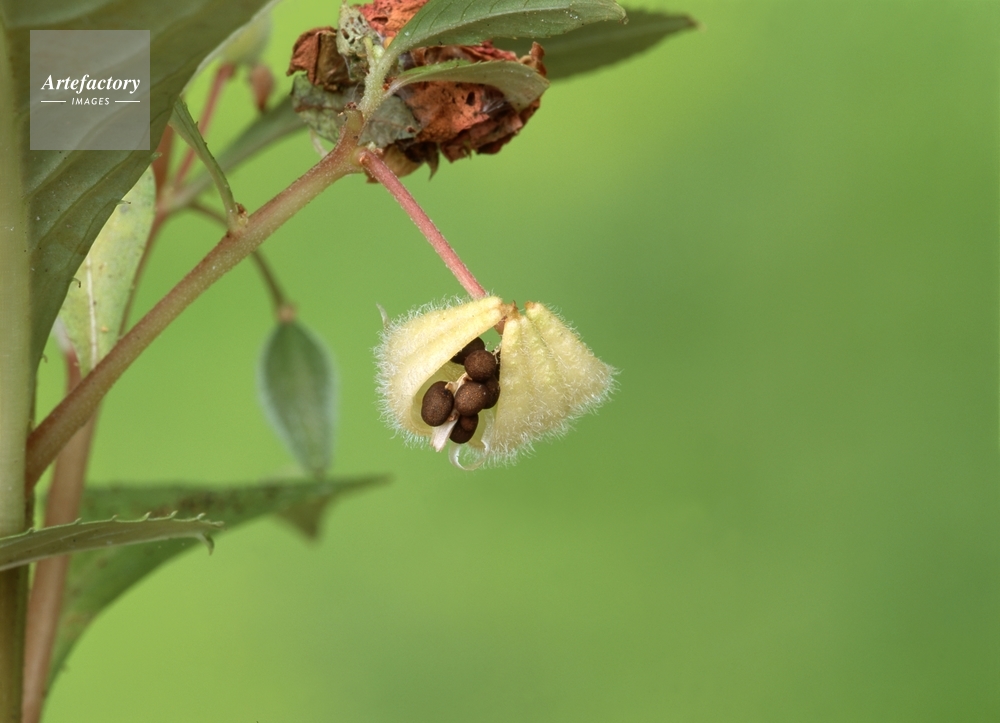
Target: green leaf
(596,46)
(278,122)
(519,83)
(78,536)
(71,194)
(466,22)
(187,129)
(94,308)
(98,578)
(296,385)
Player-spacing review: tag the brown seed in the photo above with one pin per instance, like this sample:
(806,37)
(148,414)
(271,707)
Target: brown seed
(470,398)
(464,429)
(492,392)
(480,365)
(437,404)
(476,344)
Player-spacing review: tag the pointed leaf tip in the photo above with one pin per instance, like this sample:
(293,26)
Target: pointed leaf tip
(603,44)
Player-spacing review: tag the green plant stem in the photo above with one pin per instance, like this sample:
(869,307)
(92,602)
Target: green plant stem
(72,413)
(13,606)
(17,386)
(283,308)
(374,82)
(45,602)
(384,175)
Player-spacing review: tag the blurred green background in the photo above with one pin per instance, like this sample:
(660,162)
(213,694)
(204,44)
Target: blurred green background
(783,230)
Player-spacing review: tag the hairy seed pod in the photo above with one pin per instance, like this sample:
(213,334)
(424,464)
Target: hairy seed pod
(548,377)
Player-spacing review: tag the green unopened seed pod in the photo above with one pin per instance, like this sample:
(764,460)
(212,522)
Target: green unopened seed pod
(296,385)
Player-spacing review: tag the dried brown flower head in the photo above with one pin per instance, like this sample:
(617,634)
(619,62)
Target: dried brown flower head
(425,120)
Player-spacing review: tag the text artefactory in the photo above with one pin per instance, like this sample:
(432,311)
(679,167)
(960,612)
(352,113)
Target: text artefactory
(78,85)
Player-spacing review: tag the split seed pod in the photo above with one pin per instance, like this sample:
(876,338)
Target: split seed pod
(548,376)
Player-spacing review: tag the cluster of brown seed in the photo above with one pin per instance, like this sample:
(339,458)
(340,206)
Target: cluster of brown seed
(479,391)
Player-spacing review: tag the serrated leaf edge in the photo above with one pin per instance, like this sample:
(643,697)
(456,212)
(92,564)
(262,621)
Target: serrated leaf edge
(198,527)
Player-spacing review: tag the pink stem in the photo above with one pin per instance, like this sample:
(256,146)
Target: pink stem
(384,175)
(45,602)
